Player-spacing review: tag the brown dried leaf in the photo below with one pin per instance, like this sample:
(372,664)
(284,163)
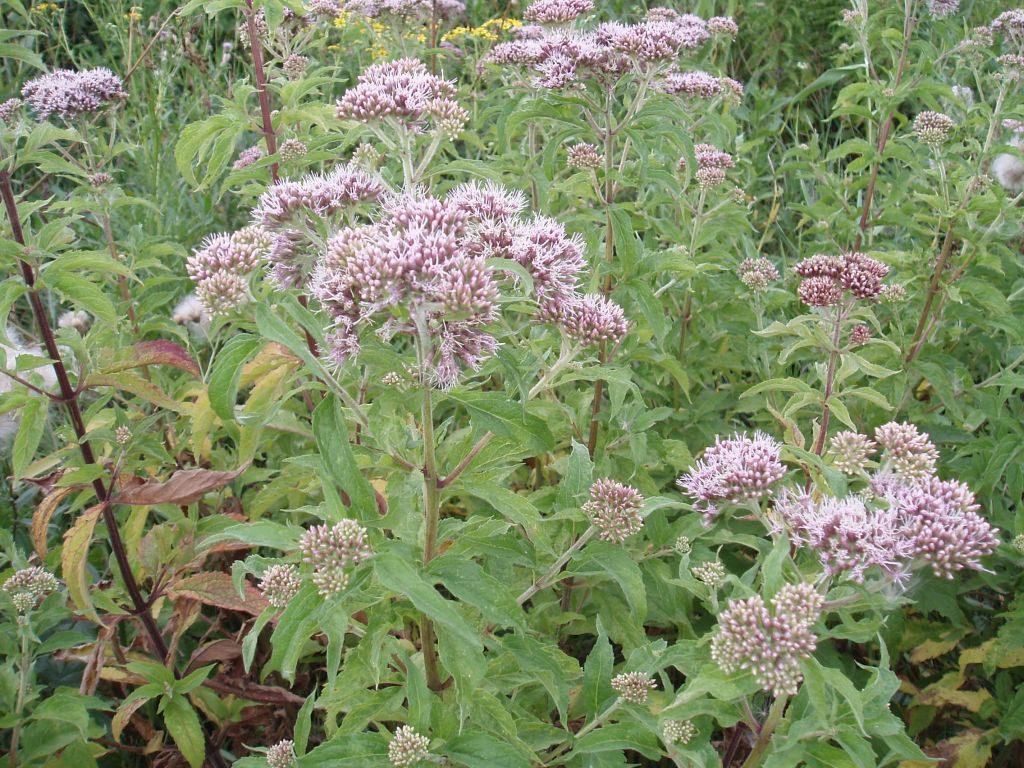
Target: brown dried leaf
(183,487)
(216,588)
(41,518)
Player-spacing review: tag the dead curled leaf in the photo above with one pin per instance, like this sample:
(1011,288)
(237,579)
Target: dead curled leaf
(183,487)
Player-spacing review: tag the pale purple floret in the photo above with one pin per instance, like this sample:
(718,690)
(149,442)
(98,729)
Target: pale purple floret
(734,470)
(67,93)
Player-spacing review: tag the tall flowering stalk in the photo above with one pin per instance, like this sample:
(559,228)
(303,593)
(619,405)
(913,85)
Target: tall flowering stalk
(70,397)
(614,69)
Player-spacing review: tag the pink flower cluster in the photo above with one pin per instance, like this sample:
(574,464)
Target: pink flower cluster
(425,260)
(734,470)
(404,91)
(907,518)
(770,644)
(1010,23)
(712,164)
(561,59)
(413,10)
(220,267)
(67,93)
(291,210)
(614,509)
(703,85)
(557,11)
(332,551)
(827,278)
(757,273)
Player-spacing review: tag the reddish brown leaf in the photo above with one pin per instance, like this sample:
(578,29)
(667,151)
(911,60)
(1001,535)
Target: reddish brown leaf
(224,649)
(160,352)
(216,588)
(183,487)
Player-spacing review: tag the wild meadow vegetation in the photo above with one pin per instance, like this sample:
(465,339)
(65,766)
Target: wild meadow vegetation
(407,383)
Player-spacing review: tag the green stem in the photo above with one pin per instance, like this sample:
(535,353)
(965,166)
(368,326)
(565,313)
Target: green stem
(431,502)
(550,576)
(24,670)
(830,378)
(765,735)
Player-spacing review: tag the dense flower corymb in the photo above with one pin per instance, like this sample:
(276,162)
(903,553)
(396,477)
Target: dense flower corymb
(280,583)
(614,509)
(735,469)
(404,91)
(67,93)
(29,586)
(332,551)
(933,128)
(407,748)
(556,11)
(827,277)
(281,755)
(633,686)
(769,644)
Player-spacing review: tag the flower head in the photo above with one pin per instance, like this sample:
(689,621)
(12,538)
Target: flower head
(583,155)
(827,277)
(678,731)
(908,452)
(932,128)
(942,8)
(67,93)
(592,318)
(770,644)
(757,273)
(280,584)
(711,573)
(723,26)
(333,550)
(734,469)
(295,66)
(556,11)
(29,586)
(615,509)
(1010,23)
(405,91)
(850,451)
(633,686)
(292,149)
(8,110)
(282,755)
(407,747)
(247,157)
(860,335)
(943,527)
(847,535)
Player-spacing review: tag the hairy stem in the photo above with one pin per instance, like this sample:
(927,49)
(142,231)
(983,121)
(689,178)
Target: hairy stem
(764,737)
(261,86)
(431,502)
(24,671)
(551,575)
(830,377)
(886,128)
(609,258)
(69,396)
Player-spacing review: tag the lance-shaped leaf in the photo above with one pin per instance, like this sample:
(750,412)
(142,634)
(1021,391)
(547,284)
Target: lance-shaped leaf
(183,487)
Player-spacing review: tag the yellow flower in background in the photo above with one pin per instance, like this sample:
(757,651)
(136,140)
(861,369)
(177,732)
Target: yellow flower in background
(488,31)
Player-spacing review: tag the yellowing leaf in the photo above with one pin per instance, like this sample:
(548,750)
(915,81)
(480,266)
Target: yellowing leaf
(74,556)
